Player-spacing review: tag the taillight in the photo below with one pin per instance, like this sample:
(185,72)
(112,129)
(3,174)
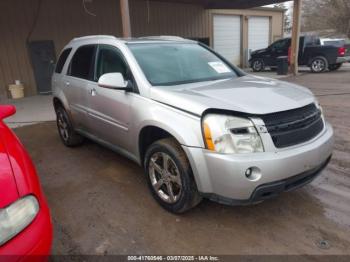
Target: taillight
(341,51)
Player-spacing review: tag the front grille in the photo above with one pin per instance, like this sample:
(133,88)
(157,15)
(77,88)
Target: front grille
(294,126)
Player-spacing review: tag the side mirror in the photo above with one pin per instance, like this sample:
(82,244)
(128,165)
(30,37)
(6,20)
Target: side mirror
(6,111)
(114,81)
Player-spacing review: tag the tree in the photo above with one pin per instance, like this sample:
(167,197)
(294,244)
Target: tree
(287,23)
(326,14)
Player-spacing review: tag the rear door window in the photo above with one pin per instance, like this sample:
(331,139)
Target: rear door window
(82,63)
(62,60)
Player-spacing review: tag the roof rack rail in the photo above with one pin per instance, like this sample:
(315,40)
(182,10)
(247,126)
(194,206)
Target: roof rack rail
(93,36)
(163,37)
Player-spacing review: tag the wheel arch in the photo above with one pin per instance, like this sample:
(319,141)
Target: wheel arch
(317,55)
(60,101)
(57,103)
(151,133)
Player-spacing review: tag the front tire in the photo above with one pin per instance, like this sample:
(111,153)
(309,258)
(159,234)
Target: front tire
(65,129)
(319,64)
(334,67)
(170,177)
(258,65)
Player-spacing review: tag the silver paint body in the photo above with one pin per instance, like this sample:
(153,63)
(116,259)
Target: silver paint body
(115,119)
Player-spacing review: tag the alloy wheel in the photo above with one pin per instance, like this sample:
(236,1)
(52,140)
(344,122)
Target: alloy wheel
(62,126)
(165,177)
(257,65)
(318,65)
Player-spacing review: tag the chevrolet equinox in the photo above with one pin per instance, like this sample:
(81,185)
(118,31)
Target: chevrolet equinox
(199,126)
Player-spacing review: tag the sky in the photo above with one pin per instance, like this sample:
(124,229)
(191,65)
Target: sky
(288,4)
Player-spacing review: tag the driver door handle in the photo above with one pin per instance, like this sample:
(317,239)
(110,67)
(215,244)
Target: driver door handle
(93,92)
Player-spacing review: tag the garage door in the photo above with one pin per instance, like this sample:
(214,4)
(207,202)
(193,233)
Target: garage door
(227,37)
(258,32)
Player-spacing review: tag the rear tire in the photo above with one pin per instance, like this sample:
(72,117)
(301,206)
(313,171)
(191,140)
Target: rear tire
(170,177)
(334,67)
(318,64)
(65,129)
(258,65)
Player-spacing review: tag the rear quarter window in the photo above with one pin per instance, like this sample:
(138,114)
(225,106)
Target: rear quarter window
(62,60)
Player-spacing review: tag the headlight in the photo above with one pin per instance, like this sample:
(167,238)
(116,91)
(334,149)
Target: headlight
(228,134)
(17,217)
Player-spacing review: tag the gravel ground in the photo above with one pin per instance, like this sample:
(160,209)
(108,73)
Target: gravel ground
(100,203)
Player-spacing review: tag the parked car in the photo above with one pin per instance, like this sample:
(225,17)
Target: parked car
(311,53)
(198,125)
(25,223)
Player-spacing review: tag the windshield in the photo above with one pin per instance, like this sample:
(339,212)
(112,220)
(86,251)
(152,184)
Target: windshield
(179,63)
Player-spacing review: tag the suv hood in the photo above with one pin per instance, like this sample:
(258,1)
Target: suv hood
(259,51)
(247,94)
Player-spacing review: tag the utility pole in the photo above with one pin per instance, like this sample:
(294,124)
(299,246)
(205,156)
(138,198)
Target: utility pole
(125,15)
(295,37)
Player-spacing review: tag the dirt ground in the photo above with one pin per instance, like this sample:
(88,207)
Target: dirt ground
(100,203)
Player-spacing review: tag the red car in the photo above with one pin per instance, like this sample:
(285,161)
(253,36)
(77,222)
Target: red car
(25,223)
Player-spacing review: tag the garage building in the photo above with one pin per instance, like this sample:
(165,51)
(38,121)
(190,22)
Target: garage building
(34,32)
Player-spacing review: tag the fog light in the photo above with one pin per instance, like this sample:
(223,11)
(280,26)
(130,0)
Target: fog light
(253,173)
(248,172)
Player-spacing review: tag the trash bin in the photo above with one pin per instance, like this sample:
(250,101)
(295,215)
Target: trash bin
(17,91)
(282,65)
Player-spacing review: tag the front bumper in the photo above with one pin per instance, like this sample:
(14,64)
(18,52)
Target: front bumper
(273,189)
(221,177)
(343,59)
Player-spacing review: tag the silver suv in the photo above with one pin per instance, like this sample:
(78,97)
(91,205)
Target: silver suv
(198,125)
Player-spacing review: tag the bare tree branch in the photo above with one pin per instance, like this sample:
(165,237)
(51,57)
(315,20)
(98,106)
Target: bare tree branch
(327,14)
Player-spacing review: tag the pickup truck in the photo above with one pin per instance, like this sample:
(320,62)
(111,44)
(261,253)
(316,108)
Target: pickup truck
(311,53)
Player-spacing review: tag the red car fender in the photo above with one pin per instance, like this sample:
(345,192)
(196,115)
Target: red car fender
(18,178)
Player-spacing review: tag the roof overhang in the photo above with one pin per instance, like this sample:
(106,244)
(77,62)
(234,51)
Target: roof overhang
(227,4)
